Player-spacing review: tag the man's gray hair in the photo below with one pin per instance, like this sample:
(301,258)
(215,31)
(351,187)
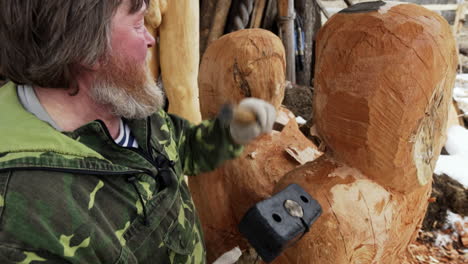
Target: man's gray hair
(47,42)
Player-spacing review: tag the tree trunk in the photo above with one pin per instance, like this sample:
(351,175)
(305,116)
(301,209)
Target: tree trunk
(309,13)
(179,45)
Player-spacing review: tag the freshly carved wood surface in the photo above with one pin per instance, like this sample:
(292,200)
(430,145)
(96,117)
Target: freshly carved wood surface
(223,196)
(382,92)
(179,57)
(245,63)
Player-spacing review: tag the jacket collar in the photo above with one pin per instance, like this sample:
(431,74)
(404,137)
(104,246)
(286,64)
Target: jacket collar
(27,141)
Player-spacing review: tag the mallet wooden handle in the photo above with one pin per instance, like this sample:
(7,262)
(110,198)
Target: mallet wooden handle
(244,116)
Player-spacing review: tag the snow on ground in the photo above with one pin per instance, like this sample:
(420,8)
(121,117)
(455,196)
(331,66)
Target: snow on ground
(460,92)
(455,165)
(457,224)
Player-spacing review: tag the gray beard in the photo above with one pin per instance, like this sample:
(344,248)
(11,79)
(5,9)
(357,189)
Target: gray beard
(125,102)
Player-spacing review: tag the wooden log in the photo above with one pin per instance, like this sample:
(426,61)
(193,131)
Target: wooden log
(245,63)
(179,45)
(381,107)
(286,28)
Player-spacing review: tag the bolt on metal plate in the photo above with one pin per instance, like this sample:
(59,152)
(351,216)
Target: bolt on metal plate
(294,208)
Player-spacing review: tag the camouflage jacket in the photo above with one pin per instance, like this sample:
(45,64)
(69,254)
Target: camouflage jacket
(77,197)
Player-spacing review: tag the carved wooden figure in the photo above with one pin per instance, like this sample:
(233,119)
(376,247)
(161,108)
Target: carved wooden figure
(383,83)
(244,63)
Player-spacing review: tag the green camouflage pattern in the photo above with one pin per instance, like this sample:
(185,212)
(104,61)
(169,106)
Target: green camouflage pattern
(66,197)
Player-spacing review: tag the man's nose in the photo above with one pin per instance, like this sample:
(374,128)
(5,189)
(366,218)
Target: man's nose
(149,39)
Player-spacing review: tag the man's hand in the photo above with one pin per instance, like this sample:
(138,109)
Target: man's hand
(265,113)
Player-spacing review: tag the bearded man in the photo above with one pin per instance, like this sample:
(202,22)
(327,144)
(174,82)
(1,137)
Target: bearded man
(91,167)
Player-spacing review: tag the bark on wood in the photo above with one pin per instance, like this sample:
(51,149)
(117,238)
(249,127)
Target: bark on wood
(286,28)
(383,119)
(245,63)
(309,13)
(179,45)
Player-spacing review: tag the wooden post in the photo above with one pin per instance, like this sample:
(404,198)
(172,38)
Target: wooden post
(257,14)
(457,23)
(179,45)
(459,17)
(207,12)
(286,21)
(219,20)
(309,12)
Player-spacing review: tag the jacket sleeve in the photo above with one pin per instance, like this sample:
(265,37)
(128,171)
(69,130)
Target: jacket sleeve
(205,146)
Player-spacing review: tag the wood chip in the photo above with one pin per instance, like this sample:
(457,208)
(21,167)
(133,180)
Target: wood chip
(464,240)
(303,156)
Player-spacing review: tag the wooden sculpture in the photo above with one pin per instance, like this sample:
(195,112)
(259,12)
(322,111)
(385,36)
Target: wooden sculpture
(244,63)
(383,82)
(178,55)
